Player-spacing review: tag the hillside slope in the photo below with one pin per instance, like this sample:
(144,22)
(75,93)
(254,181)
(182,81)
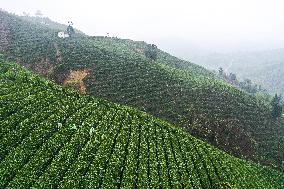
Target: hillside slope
(180,92)
(55,138)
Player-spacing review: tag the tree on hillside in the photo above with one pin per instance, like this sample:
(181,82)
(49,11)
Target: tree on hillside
(232,78)
(151,52)
(276,106)
(70,29)
(246,85)
(26,14)
(38,13)
(248,82)
(221,72)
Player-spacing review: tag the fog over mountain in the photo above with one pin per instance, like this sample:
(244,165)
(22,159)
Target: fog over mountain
(209,33)
(184,28)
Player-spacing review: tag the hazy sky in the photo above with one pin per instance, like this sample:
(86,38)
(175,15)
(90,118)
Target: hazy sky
(206,24)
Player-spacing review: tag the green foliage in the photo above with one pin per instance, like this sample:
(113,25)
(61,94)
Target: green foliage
(245,85)
(70,30)
(276,107)
(263,97)
(52,137)
(178,91)
(151,52)
(221,72)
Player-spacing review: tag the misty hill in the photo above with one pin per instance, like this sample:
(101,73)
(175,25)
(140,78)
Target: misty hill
(45,21)
(53,137)
(266,68)
(180,92)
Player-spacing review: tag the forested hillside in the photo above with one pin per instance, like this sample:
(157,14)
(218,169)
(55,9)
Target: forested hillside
(264,68)
(180,92)
(53,137)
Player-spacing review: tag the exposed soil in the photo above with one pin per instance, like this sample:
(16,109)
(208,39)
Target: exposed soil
(75,79)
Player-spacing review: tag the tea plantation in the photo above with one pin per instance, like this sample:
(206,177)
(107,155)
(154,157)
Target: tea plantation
(53,137)
(177,91)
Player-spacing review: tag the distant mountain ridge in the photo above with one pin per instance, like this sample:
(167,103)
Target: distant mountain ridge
(262,67)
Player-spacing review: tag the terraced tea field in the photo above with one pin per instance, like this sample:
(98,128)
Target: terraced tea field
(174,90)
(52,137)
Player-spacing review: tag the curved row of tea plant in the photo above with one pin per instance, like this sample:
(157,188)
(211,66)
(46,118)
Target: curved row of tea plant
(175,90)
(56,138)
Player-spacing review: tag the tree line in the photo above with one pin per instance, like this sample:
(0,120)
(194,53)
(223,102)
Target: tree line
(276,102)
